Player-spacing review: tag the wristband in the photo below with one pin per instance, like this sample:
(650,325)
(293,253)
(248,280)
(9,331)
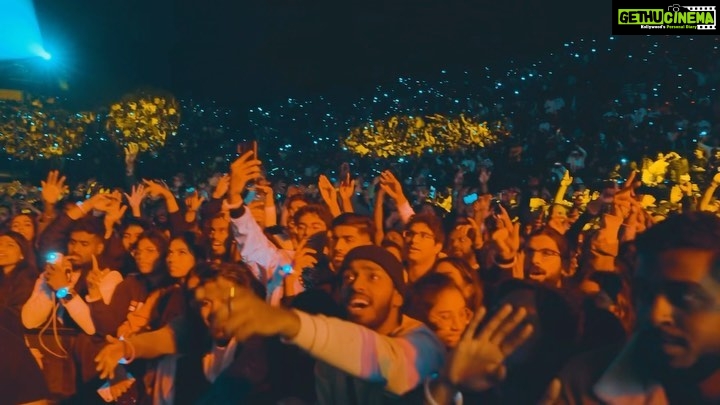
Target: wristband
(132,352)
(80,205)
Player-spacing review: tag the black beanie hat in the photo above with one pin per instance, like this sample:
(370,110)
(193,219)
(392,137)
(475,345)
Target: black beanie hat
(382,258)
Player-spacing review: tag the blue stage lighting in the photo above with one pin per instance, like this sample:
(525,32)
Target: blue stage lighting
(20,31)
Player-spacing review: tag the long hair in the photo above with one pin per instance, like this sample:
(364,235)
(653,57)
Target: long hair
(27,263)
(422,295)
(469,276)
(159,277)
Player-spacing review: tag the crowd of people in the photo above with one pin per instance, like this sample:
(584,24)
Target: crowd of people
(363,295)
(571,263)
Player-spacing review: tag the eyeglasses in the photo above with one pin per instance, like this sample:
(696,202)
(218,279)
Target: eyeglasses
(423,235)
(543,252)
(447,319)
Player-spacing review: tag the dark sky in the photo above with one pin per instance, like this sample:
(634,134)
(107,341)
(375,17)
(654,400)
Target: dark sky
(249,51)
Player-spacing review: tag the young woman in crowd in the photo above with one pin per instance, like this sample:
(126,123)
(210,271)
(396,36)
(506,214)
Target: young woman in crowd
(17,278)
(437,301)
(464,277)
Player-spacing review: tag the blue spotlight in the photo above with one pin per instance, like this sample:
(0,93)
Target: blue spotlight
(20,31)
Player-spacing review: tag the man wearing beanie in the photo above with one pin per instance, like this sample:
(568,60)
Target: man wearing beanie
(376,355)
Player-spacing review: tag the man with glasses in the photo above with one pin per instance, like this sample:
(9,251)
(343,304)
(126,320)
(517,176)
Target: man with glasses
(424,238)
(674,355)
(545,258)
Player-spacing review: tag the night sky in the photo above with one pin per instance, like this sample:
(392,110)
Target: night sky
(242,52)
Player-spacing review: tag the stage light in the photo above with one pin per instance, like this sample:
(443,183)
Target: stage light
(45,55)
(38,51)
(20,31)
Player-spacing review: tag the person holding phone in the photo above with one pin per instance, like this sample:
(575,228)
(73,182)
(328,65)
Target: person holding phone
(255,248)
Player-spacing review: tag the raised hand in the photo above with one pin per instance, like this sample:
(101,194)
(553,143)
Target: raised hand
(53,187)
(481,207)
(237,311)
(114,214)
(465,229)
(194,201)
(94,279)
(347,189)
(222,187)
(243,170)
(566,181)
(304,258)
(506,236)
(135,199)
(329,195)
(155,189)
(109,357)
(716,180)
(392,187)
(327,190)
(477,363)
(131,152)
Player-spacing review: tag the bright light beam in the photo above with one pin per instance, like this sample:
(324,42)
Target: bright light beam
(20,31)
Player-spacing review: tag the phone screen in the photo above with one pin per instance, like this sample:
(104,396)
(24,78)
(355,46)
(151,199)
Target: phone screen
(470,198)
(244,147)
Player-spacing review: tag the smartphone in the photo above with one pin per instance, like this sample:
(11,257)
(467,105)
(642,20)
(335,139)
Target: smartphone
(470,198)
(54,258)
(496,206)
(244,147)
(250,196)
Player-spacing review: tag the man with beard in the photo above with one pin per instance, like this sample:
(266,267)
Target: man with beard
(674,355)
(378,354)
(545,257)
(349,231)
(75,280)
(463,242)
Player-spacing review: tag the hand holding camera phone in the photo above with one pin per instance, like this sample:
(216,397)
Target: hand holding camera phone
(244,147)
(320,273)
(58,271)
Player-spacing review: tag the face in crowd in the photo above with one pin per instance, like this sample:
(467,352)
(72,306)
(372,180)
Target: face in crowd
(219,234)
(459,244)
(24,225)
(10,252)
(678,309)
(421,244)
(180,259)
(344,239)
(309,224)
(146,255)
(449,316)
(461,277)
(130,236)
(369,295)
(543,260)
(82,246)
